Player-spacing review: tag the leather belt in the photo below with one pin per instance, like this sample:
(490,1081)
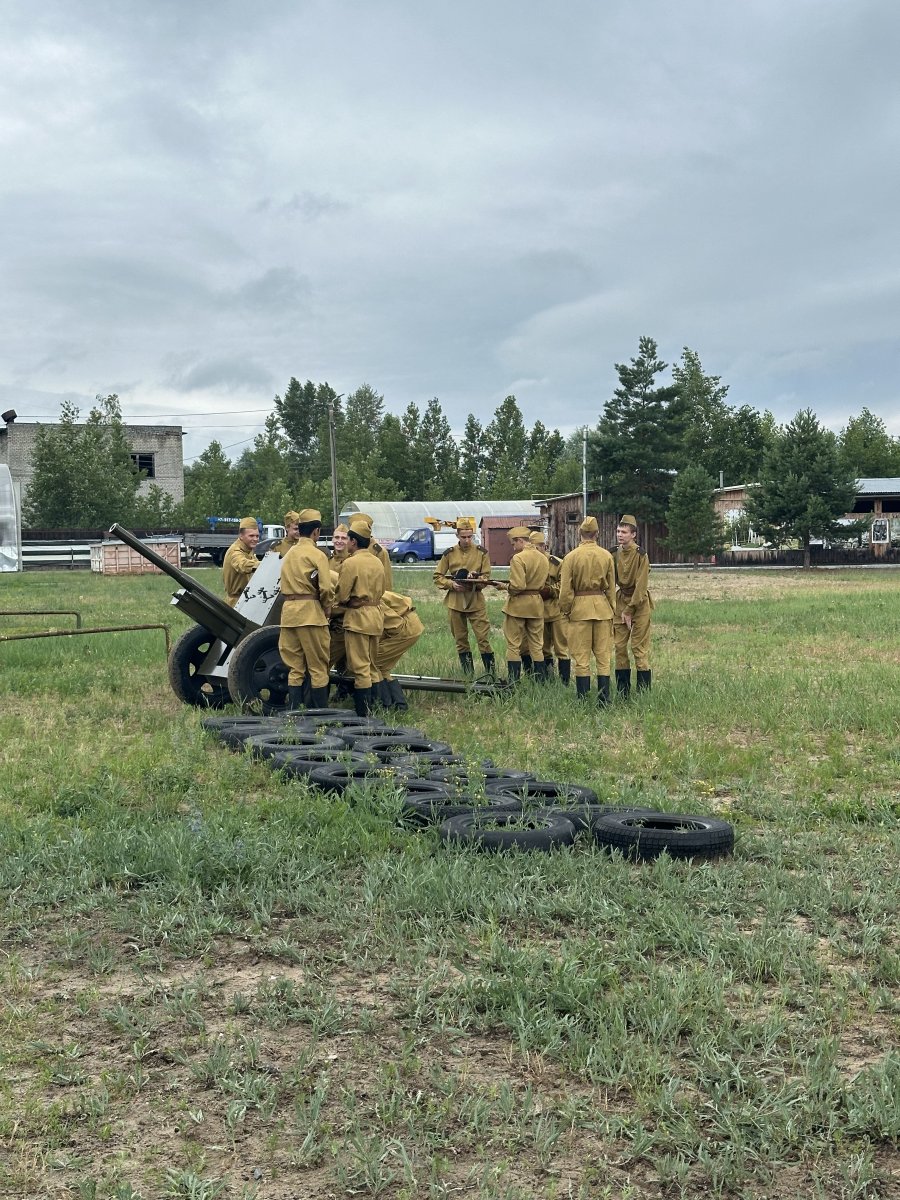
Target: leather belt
(299,595)
(592,592)
(626,591)
(354,603)
(526,592)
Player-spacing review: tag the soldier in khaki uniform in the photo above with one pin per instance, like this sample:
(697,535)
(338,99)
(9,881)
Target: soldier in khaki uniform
(523,626)
(240,560)
(380,553)
(554,622)
(587,596)
(292,534)
(464,602)
(634,606)
(340,549)
(359,592)
(306,591)
(402,629)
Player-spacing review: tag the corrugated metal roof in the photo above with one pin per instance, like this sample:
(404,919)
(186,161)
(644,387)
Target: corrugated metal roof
(391,518)
(878,487)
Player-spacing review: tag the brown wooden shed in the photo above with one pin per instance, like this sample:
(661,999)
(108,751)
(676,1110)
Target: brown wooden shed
(563,516)
(495,536)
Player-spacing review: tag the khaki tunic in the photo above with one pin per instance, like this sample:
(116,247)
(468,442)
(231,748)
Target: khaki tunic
(385,559)
(555,644)
(632,568)
(238,565)
(402,629)
(587,596)
(524,607)
(467,607)
(283,546)
(359,592)
(304,643)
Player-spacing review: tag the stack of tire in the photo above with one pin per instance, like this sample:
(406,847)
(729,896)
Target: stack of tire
(484,807)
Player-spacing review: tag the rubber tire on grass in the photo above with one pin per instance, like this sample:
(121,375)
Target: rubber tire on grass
(478,831)
(298,764)
(583,816)
(572,795)
(351,734)
(264,745)
(340,777)
(463,778)
(387,747)
(234,735)
(189,653)
(647,835)
(421,811)
(427,761)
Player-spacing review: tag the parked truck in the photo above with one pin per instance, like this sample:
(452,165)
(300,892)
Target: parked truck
(215,543)
(427,543)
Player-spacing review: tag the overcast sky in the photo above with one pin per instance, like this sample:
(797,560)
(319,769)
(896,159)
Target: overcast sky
(200,200)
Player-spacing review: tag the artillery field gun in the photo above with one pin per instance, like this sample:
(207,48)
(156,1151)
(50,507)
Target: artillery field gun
(230,655)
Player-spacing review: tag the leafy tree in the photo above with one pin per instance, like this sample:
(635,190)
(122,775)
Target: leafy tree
(634,449)
(303,415)
(695,529)
(263,475)
(805,485)
(506,453)
(83,475)
(210,487)
(545,450)
(394,450)
(363,414)
(868,449)
(472,459)
(437,453)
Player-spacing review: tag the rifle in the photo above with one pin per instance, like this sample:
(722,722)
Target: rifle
(474,580)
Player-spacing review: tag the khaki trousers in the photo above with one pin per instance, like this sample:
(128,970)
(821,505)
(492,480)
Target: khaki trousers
(639,636)
(481,627)
(588,638)
(394,645)
(524,635)
(555,643)
(361,650)
(304,649)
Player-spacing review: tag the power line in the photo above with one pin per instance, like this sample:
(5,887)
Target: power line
(234,412)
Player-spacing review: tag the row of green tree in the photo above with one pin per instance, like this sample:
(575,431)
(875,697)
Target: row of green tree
(658,441)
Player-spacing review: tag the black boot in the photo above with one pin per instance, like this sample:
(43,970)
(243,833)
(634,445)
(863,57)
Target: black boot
(362,701)
(548,667)
(527,664)
(397,694)
(623,682)
(488,663)
(318,697)
(295,697)
(643,681)
(583,686)
(465,661)
(602,691)
(565,670)
(513,670)
(540,671)
(381,696)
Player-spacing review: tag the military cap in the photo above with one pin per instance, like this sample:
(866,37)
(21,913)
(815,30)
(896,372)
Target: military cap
(292,518)
(589,525)
(465,525)
(628,519)
(365,517)
(360,524)
(310,516)
(248,523)
(342,528)
(520,531)
(538,538)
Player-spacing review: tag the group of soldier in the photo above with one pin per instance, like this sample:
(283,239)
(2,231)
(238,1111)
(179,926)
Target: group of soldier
(566,611)
(342,612)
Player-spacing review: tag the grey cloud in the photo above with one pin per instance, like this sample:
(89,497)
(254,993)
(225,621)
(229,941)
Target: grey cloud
(222,374)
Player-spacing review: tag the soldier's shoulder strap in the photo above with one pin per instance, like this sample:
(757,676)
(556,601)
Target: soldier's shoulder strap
(556,561)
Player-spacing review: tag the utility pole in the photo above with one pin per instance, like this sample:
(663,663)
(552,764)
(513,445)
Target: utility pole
(333,456)
(584,474)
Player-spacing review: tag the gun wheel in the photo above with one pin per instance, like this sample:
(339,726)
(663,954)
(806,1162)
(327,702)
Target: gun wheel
(188,656)
(257,676)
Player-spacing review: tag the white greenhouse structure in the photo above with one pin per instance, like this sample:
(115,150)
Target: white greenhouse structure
(391,519)
(10,534)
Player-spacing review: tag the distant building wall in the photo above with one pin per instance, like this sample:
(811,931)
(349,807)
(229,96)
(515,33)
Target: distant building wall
(564,514)
(158,449)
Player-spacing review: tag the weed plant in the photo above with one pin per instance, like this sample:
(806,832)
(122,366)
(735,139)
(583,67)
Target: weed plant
(217,982)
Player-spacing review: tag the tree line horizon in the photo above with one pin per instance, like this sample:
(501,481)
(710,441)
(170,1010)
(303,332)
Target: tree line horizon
(655,442)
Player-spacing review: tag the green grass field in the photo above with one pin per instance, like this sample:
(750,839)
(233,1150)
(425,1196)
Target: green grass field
(218,983)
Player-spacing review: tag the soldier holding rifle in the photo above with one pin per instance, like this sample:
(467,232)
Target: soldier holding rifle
(460,575)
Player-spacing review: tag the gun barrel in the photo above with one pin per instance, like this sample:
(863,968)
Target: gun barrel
(198,602)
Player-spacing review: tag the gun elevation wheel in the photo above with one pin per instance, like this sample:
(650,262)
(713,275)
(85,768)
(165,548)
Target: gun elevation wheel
(257,677)
(189,654)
